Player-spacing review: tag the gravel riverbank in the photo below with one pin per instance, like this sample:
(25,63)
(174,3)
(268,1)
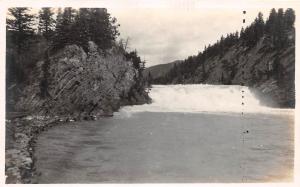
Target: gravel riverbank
(21,134)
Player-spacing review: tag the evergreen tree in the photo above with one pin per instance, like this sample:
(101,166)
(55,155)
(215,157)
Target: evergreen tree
(259,25)
(64,33)
(271,22)
(58,19)
(20,26)
(46,27)
(242,35)
(46,22)
(87,24)
(236,36)
(103,28)
(81,28)
(280,26)
(289,18)
(271,25)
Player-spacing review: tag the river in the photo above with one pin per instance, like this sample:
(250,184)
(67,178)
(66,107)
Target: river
(190,133)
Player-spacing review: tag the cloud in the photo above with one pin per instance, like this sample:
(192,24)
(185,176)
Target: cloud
(162,35)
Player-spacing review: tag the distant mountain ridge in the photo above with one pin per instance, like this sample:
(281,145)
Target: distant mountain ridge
(160,69)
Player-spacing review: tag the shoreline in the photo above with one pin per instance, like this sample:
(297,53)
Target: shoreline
(20,145)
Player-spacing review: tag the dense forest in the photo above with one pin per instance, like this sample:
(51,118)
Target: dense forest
(276,29)
(32,38)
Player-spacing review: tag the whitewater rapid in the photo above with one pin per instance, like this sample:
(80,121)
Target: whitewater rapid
(201,98)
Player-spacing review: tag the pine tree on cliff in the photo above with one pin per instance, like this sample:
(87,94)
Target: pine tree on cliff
(64,33)
(236,36)
(103,28)
(20,26)
(289,18)
(58,19)
(278,25)
(259,26)
(271,25)
(280,30)
(87,24)
(46,22)
(46,27)
(81,28)
(271,22)
(242,34)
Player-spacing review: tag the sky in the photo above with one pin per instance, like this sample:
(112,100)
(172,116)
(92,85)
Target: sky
(168,30)
(162,34)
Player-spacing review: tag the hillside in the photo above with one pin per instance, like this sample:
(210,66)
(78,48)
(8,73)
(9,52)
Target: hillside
(262,57)
(159,70)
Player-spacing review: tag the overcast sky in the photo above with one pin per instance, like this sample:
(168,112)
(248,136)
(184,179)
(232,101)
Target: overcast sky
(164,34)
(168,30)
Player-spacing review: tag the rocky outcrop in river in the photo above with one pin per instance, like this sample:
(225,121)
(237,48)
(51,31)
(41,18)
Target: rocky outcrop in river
(83,83)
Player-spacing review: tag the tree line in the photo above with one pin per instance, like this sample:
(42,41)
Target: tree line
(31,38)
(34,37)
(275,29)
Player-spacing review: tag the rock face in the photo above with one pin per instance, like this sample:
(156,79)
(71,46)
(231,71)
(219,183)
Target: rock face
(82,83)
(251,68)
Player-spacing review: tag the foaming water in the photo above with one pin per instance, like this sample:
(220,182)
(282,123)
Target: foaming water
(199,98)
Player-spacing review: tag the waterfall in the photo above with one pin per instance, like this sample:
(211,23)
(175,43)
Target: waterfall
(202,98)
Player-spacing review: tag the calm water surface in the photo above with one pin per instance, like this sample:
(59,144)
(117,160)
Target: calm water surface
(169,147)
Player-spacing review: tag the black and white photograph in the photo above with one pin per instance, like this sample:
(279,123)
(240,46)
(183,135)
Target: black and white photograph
(138,92)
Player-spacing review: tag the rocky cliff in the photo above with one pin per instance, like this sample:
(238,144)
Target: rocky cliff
(82,83)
